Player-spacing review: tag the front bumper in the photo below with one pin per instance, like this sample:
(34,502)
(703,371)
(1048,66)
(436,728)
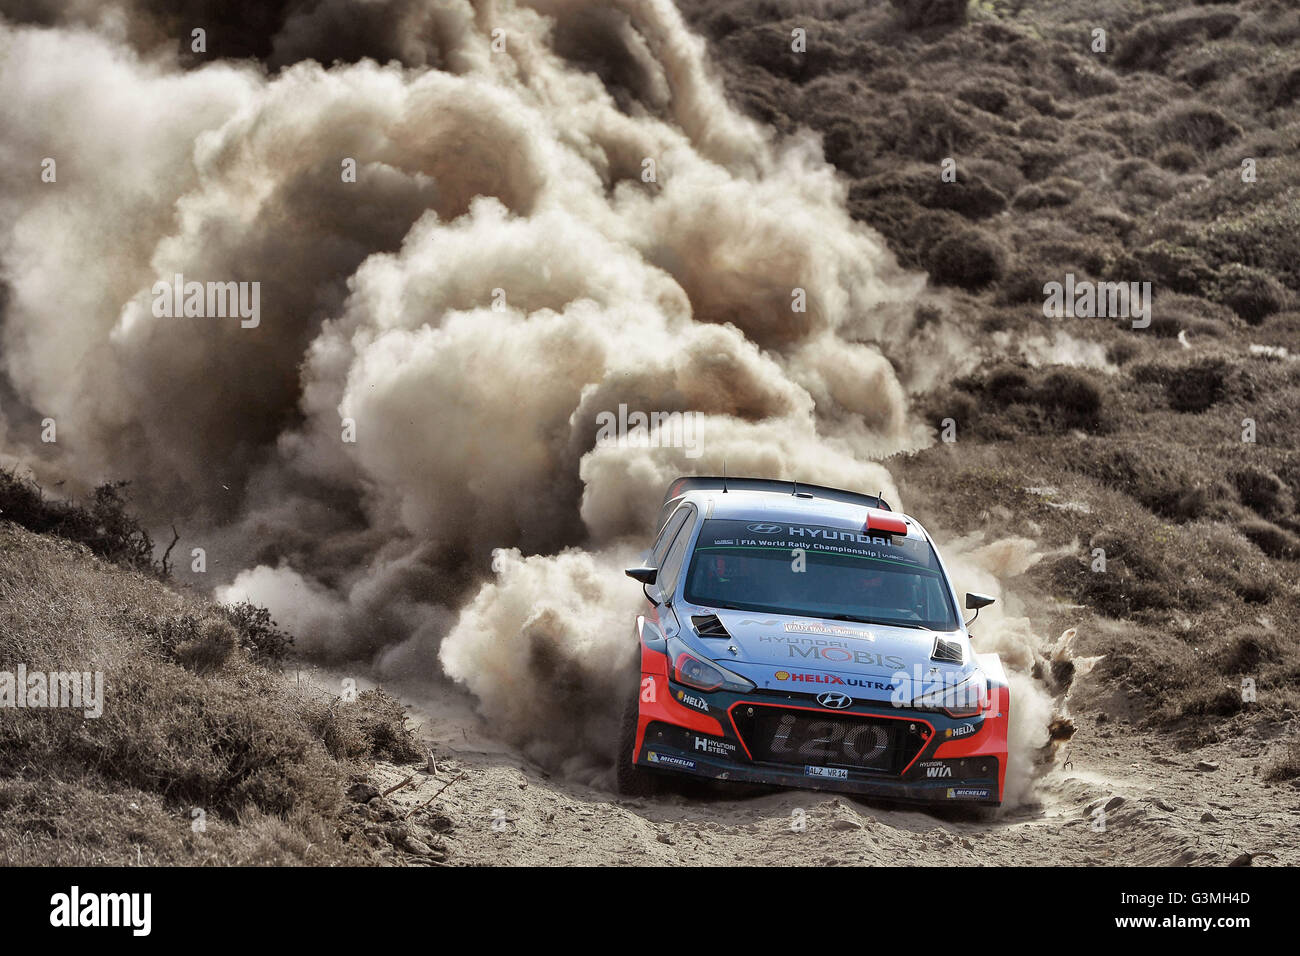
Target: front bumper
(787,739)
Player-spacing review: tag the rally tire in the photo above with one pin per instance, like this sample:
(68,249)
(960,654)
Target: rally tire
(633,781)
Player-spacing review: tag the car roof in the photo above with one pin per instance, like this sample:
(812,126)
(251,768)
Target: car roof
(787,507)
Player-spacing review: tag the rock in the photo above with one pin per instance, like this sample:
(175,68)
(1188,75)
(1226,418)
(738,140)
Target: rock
(1248,859)
(362,792)
(1114,803)
(664,838)
(845,824)
(1205,766)
(1208,817)
(412,845)
(1161,805)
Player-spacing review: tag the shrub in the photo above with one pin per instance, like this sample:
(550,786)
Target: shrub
(258,634)
(1287,766)
(970,259)
(210,648)
(1188,388)
(1264,237)
(1196,125)
(1042,196)
(1176,267)
(1014,400)
(102,524)
(371,727)
(1150,44)
(1023,283)
(967,196)
(1263,492)
(1246,650)
(1179,157)
(198,639)
(1273,541)
(918,14)
(933,128)
(1252,293)
(1166,485)
(1072,399)
(985,96)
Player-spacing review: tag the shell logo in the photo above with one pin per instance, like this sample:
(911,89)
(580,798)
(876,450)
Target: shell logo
(782,675)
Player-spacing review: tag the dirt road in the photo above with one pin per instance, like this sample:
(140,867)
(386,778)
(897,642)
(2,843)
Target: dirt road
(1159,806)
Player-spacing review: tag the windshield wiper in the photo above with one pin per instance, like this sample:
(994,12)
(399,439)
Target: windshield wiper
(867,620)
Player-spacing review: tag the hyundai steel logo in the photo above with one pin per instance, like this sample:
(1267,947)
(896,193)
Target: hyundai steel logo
(834,701)
(763,528)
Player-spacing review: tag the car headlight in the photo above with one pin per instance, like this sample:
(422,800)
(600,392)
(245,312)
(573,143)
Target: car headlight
(694,670)
(966,699)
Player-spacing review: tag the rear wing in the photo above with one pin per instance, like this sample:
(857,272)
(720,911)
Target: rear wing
(684,484)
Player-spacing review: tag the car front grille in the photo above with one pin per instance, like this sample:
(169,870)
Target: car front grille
(784,735)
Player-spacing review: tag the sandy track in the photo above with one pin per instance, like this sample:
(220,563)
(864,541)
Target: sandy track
(1159,810)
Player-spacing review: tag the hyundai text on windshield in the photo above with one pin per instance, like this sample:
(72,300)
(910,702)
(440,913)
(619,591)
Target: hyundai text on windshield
(845,575)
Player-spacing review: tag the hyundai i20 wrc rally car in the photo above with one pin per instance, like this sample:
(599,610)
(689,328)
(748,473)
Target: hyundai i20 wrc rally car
(808,637)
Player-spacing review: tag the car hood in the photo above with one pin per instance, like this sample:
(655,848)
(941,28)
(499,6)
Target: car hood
(779,650)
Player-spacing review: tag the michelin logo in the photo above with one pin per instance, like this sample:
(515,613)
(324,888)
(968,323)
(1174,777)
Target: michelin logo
(670,761)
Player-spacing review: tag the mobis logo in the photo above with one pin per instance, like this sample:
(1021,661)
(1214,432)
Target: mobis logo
(74,909)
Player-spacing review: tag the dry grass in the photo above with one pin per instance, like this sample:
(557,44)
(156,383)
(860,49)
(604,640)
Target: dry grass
(191,719)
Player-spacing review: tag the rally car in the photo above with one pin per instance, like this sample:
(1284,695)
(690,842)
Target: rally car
(808,637)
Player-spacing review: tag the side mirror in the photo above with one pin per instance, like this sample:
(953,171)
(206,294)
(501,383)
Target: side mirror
(646,575)
(975,602)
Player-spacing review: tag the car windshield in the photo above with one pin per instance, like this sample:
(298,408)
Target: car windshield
(819,571)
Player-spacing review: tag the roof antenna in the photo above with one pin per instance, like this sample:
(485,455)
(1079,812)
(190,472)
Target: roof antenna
(795,492)
(724,476)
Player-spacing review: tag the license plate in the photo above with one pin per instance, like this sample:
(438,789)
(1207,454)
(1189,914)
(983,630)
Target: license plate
(833,772)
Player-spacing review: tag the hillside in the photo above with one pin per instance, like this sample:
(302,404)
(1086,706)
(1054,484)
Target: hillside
(198,751)
(1172,448)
